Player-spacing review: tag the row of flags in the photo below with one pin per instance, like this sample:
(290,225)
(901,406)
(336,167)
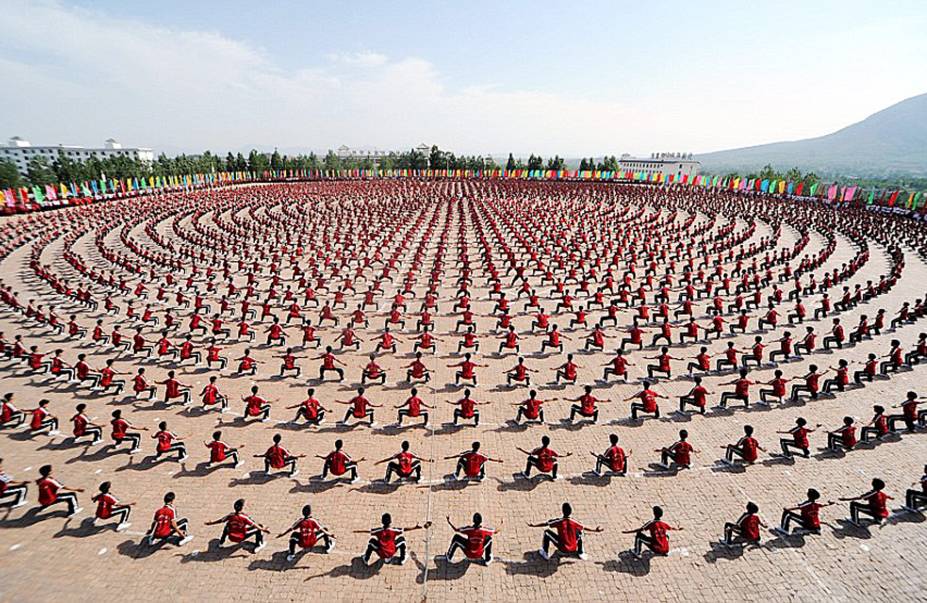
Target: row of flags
(24,199)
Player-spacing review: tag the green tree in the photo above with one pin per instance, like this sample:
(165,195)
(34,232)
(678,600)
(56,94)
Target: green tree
(241,164)
(510,164)
(768,173)
(257,162)
(93,168)
(555,163)
(39,173)
(331,161)
(437,158)
(230,162)
(276,162)
(9,175)
(793,175)
(66,169)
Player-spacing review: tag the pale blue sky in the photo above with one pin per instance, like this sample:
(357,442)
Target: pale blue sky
(584,78)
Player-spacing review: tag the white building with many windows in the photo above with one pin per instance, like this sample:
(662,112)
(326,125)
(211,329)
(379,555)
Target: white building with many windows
(663,163)
(19,152)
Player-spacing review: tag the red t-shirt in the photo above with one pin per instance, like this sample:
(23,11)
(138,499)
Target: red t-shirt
(476,540)
(658,531)
(473,462)
(386,541)
(616,458)
(336,462)
(217,451)
(545,458)
(105,504)
(162,520)
(308,532)
(568,532)
(238,524)
(276,456)
(751,527)
(48,491)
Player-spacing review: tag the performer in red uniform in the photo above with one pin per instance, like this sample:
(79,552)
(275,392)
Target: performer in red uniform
(653,535)
(565,534)
(306,533)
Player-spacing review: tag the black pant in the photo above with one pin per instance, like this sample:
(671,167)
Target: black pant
(666,457)
(294,542)
(732,531)
(776,353)
(179,447)
(912,498)
(404,412)
(458,414)
(393,467)
(602,462)
(551,538)
(533,461)
(230,454)
(134,438)
(255,533)
(458,541)
(831,340)
(725,396)
(640,541)
(653,368)
(637,407)
(731,451)
(691,401)
(68,498)
(835,442)
(368,414)
(790,516)
(121,513)
(576,409)
(869,431)
(831,384)
(797,390)
(521,414)
(894,419)
(324,370)
(288,462)
(17,493)
(462,468)
(858,376)
(349,468)
(51,424)
(320,414)
(788,446)
(857,507)
(374,547)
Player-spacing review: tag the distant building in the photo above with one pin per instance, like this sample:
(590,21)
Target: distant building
(20,151)
(661,163)
(346,152)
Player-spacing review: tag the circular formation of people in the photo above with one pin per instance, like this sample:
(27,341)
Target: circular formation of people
(416,310)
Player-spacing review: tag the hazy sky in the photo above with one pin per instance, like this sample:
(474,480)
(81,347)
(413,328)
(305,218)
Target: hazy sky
(575,78)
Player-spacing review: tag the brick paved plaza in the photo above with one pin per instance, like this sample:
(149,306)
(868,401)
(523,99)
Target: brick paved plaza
(338,231)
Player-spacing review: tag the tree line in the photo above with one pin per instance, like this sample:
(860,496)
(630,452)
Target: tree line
(40,171)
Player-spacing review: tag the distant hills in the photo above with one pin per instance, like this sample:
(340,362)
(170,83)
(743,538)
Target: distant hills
(888,143)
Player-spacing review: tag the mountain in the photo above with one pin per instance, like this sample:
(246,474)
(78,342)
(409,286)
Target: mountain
(890,142)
